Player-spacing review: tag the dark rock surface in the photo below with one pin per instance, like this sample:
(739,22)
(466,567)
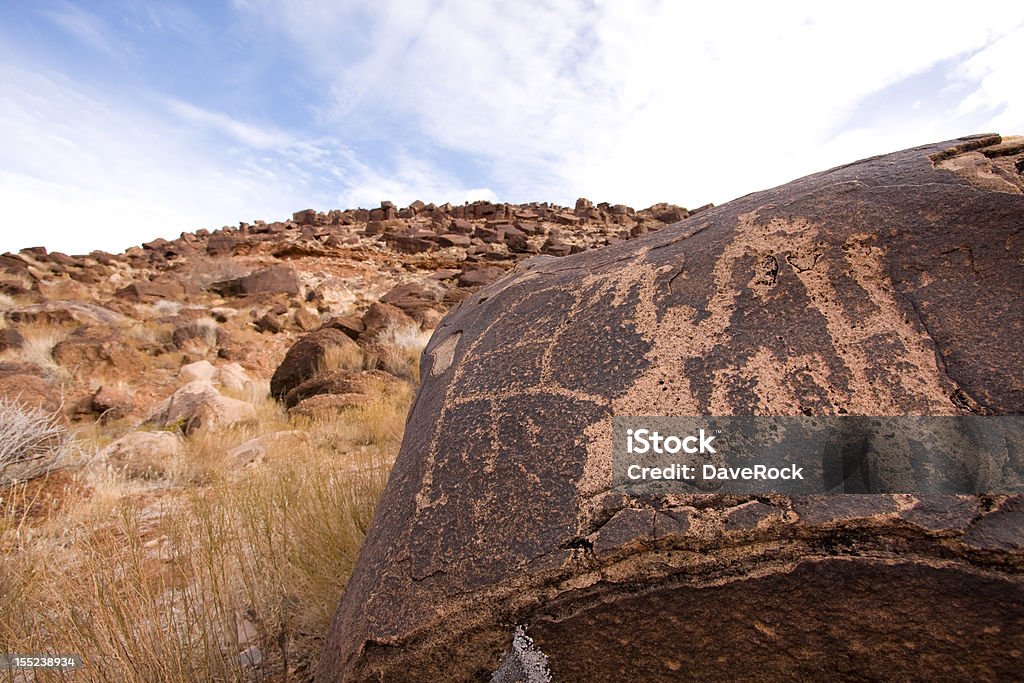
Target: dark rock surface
(304,359)
(888,286)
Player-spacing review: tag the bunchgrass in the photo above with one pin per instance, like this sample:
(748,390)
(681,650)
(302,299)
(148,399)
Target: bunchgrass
(153,584)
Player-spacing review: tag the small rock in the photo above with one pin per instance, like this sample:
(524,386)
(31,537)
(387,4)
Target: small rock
(270,323)
(202,370)
(251,657)
(112,403)
(10,339)
(305,319)
(480,276)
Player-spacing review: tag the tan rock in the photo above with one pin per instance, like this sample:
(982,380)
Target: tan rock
(202,370)
(220,412)
(145,455)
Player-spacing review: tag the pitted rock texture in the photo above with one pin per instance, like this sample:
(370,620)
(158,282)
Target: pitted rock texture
(885,287)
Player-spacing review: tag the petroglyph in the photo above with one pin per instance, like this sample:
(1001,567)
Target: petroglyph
(887,286)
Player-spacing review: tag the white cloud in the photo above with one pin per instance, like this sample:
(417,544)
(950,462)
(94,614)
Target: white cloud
(84,26)
(648,101)
(248,134)
(82,171)
(440,100)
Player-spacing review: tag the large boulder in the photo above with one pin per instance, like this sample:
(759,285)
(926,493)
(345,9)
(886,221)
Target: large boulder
(888,286)
(145,455)
(198,405)
(281,279)
(90,351)
(306,358)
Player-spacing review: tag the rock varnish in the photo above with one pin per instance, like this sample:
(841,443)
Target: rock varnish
(889,286)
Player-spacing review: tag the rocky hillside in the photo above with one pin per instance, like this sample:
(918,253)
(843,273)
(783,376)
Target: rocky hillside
(201,427)
(105,335)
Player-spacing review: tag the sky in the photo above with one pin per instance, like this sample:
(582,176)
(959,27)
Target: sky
(122,121)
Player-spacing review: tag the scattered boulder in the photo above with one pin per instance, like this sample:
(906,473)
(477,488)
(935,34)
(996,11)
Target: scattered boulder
(96,350)
(453,240)
(366,382)
(10,338)
(179,407)
(281,279)
(30,390)
(233,377)
(802,299)
(270,322)
(326,404)
(407,244)
(305,359)
(381,317)
(418,300)
(152,291)
(220,412)
(111,403)
(202,370)
(479,277)
(145,455)
(349,324)
(65,312)
(305,319)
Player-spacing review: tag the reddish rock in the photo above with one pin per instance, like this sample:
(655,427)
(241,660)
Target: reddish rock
(10,338)
(555,247)
(305,319)
(30,390)
(417,300)
(366,382)
(149,291)
(349,324)
(111,403)
(380,317)
(477,277)
(89,351)
(280,279)
(453,240)
(305,359)
(270,322)
(325,404)
(462,227)
(407,244)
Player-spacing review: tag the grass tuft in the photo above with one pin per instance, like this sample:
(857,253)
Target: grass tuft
(172,580)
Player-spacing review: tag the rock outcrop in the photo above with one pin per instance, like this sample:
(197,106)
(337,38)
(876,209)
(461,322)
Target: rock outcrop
(888,286)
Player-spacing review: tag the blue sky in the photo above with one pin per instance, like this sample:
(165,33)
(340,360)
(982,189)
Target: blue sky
(123,121)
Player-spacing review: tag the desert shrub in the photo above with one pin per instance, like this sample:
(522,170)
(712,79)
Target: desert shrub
(32,441)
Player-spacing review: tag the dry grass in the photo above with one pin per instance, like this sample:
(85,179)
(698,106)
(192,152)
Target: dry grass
(151,584)
(398,351)
(40,339)
(347,357)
